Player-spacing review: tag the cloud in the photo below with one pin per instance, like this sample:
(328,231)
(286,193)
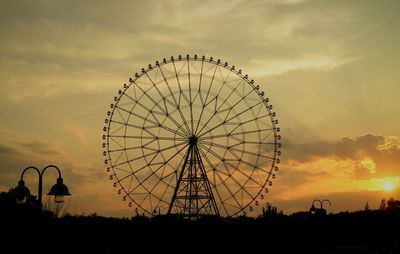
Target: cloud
(345,148)
(292,178)
(350,164)
(364,169)
(50,51)
(319,63)
(41,147)
(363,157)
(13,160)
(6,150)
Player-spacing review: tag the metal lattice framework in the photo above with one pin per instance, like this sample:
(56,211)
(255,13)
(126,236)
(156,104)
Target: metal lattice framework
(191,136)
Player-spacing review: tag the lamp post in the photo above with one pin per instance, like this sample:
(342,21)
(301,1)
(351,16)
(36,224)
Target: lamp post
(321,210)
(59,190)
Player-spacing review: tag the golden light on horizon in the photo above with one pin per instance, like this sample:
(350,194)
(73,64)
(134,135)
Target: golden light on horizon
(388,186)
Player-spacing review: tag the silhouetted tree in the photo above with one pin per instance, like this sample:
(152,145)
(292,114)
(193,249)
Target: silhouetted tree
(269,211)
(393,205)
(382,206)
(366,207)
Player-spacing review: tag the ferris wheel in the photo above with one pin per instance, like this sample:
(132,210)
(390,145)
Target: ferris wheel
(191,136)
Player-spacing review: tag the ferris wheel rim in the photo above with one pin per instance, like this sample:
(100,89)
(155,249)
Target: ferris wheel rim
(273,128)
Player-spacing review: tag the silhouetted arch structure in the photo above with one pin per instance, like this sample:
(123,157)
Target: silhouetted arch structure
(320,210)
(194,136)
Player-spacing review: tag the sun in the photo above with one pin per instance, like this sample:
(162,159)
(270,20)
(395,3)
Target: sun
(388,186)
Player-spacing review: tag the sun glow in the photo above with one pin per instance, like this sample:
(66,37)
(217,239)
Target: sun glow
(388,186)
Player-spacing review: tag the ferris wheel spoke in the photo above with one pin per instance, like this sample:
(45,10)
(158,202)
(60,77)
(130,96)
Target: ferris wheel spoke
(146,93)
(243,173)
(119,156)
(190,98)
(219,145)
(230,134)
(115,142)
(167,175)
(122,170)
(148,165)
(249,178)
(222,123)
(144,137)
(135,159)
(130,183)
(136,101)
(224,161)
(229,110)
(157,105)
(132,147)
(237,103)
(241,188)
(153,172)
(127,124)
(155,87)
(165,105)
(241,160)
(232,195)
(152,153)
(156,124)
(218,110)
(250,153)
(146,128)
(150,192)
(119,113)
(227,148)
(165,191)
(258,166)
(114,131)
(147,194)
(205,101)
(159,149)
(241,124)
(199,90)
(215,185)
(165,162)
(219,196)
(181,94)
(175,100)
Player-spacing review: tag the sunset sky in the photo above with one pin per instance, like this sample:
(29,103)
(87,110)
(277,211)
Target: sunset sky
(330,68)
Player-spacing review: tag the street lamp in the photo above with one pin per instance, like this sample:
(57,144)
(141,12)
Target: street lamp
(321,210)
(59,190)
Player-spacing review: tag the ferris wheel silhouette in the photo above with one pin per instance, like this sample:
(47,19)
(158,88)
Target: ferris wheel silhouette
(193,136)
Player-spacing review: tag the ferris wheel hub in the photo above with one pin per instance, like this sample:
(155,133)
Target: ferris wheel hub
(193,140)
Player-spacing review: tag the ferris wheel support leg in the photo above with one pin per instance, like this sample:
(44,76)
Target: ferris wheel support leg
(179,181)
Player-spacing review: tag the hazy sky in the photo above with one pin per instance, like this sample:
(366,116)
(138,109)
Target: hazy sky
(330,68)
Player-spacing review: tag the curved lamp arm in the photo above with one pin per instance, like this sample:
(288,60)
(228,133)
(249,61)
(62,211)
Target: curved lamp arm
(52,166)
(22,183)
(26,169)
(325,200)
(40,178)
(317,200)
(41,182)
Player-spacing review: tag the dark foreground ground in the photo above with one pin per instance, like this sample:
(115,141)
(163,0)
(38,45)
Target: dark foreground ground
(25,229)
